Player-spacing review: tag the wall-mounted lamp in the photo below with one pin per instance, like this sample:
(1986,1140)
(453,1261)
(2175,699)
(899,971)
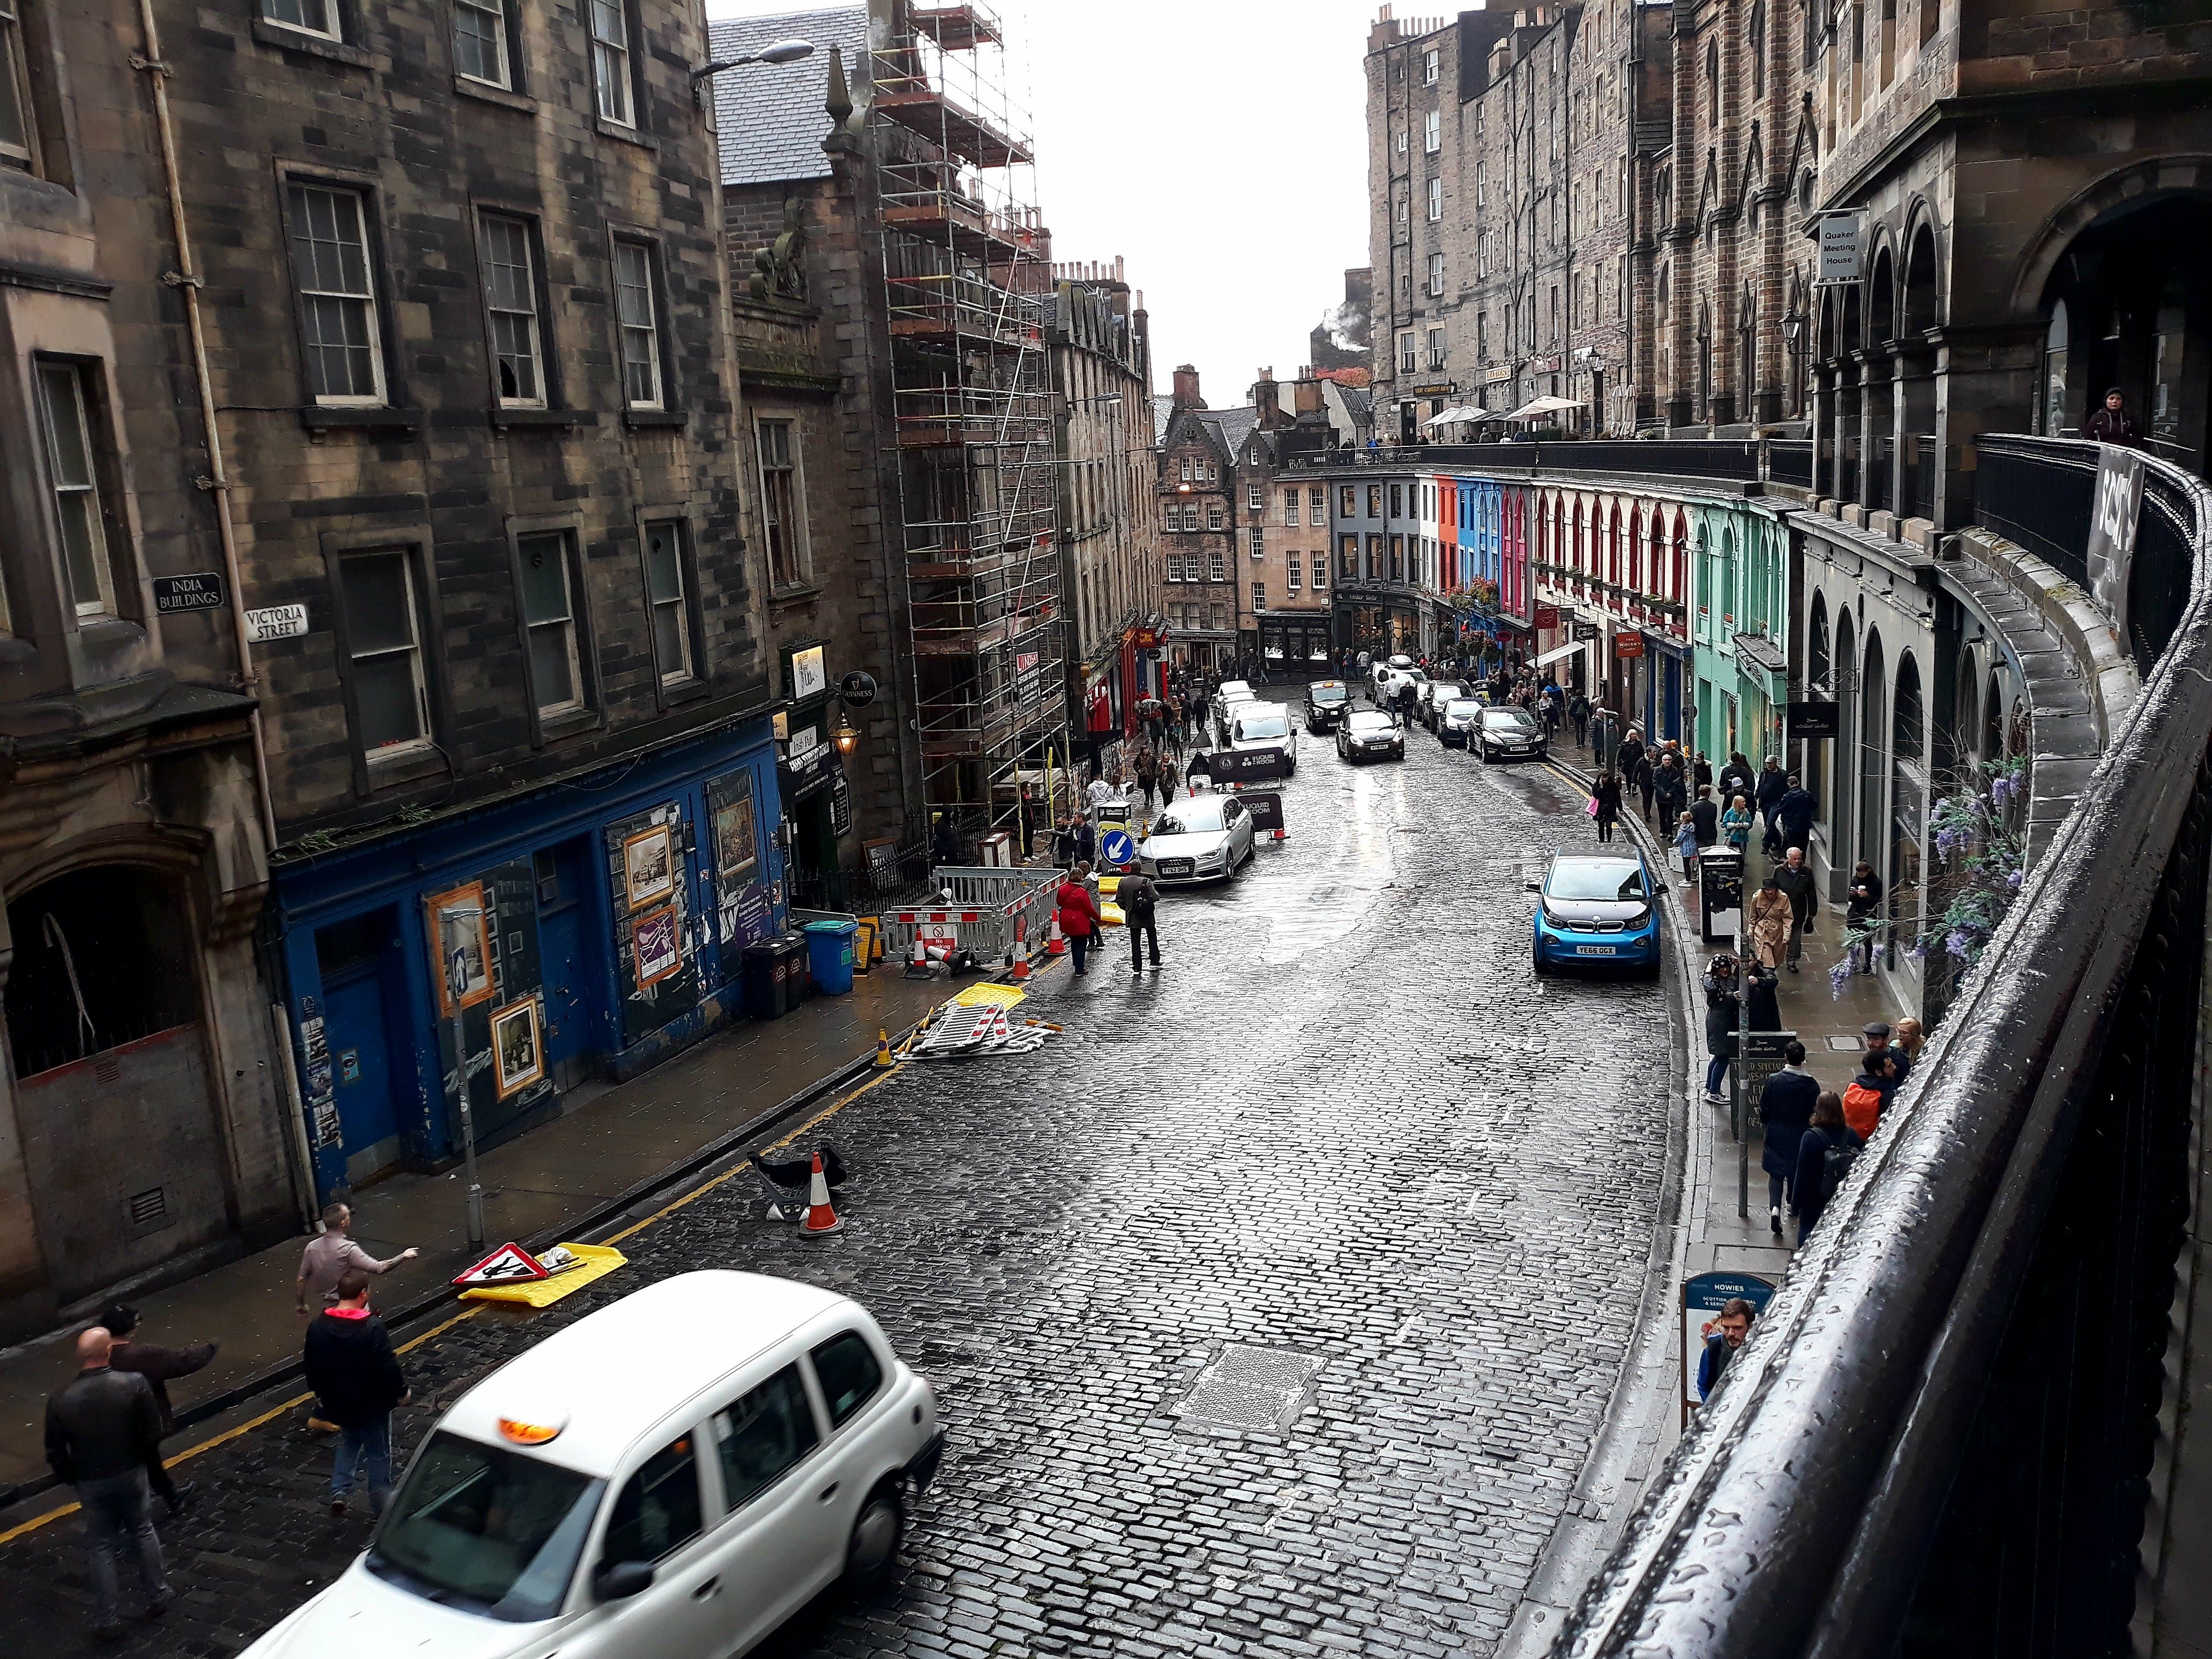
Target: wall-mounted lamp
(845,736)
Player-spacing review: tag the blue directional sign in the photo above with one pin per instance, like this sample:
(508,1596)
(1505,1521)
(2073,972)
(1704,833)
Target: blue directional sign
(1117,848)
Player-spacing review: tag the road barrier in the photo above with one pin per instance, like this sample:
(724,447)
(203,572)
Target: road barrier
(983,909)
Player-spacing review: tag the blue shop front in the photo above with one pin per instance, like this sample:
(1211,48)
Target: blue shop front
(585,930)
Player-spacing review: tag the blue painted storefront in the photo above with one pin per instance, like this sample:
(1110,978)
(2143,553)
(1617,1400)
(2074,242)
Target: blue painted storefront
(619,903)
(1669,671)
(1481,532)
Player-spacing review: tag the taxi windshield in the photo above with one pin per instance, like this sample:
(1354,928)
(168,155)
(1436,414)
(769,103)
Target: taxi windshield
(485,1528)
(1331,691)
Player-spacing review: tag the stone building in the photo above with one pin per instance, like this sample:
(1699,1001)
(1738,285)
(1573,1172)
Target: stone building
(1284,620)
(1100,346)
(1198,520)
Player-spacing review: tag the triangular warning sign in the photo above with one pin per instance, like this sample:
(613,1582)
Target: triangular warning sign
(509,1264)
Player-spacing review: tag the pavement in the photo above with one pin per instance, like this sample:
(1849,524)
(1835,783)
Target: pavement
(1345,1124)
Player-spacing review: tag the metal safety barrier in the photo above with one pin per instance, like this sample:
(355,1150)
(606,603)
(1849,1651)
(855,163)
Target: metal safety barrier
(989,909)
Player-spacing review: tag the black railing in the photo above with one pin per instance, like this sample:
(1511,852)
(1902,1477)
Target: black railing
(1938,1439)
(1734,460)
(1789,461)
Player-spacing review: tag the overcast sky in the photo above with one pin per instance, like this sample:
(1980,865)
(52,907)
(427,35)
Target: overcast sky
(1220,146)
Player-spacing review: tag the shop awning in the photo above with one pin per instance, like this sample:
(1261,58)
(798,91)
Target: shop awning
(1559,650)
(1758,651)
(1537,406)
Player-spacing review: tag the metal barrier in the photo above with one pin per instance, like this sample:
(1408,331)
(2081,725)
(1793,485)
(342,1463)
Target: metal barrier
(1940,1438)
(987,909)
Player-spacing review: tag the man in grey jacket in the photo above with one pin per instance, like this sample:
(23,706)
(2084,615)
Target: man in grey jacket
(100,1430)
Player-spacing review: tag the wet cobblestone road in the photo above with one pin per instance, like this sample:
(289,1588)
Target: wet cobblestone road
(1345,1121)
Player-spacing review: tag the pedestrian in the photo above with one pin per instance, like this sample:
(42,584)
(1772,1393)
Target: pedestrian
(1605,798)
(1762,1009)
(1026,818)
(1086,839)
(1796,809)
(330,1255)
(1766,922)
(354,1373)
(1723,987)
(1169,779)
(1735,825)
(1706,814)
(2113,424)
(102,1430)
(1825,1155)
(1795,880)
(1685,846)
(1063,845)
(1735,778)
(944,842)
(1098,793)
(1140,897)
(1908,1040)
(1643,775)
(1148,777)
(1631,751)
(1773,784)
(1578,711)
(160,1366)
(1725,1336)
(1863,907)
(1670,788)
(1868,1094)
(1079,913)
(1604,744)
(1785,1112)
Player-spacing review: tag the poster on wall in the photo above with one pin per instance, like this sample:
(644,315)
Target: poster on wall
(657,941)
(648,866)
(737,842)
(460,932)
(517,1045)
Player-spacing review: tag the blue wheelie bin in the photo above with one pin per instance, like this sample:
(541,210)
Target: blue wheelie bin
(829,955)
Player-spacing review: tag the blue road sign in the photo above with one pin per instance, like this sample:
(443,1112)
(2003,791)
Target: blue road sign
(1117,848)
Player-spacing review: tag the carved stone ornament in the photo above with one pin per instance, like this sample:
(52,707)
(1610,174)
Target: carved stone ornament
(778,272)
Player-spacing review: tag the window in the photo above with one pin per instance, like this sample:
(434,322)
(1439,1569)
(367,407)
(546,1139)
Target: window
(767,1433)
(1254,498)
(1218,614)
(1409,353)
(1259,596)
(1757,44)
(1217,566)
(611,61)
(640,331)
(511,293)
(667,596)
(1317,502)
(1212,518)
(1397,558)
(1402,207)
(1293,567)
(658,1512)
(849,1373)
(1435,200)
(1436,273)
(1432,131)
(337,294)
(1348,557)
(390,699)
(1401,141)
(1436,347)
(16,126)
(480,41)
(1175,567)
(1290,505)
(1375,500)
(70,453)
(1256,541)
(1397,501)
(1186,468)
(311,16)
(548,621)
(1320,568)
(780,508)
(1429,67)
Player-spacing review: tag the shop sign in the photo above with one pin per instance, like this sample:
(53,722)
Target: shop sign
(2112,529)
(1492,376)
(1628,645)
(1814,719)
(1544,365)
(1587,632)
(810,672)
(1547,615)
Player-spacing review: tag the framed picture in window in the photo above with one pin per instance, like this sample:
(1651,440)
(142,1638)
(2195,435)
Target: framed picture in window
(460,934)
(736,845)
(648,866)
(517,1045)
(655,938)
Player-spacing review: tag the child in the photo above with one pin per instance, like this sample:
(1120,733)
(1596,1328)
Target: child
(1686,843)
(1735,823)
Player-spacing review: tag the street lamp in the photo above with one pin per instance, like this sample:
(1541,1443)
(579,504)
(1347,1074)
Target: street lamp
(787,50)
(845,736)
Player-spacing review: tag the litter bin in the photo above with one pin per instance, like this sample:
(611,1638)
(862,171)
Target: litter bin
(829,956)
(772,970)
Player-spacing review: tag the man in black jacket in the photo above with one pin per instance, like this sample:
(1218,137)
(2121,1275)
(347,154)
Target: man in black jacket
(354,1373)
(1773,785)
(100,1430)
(1140,900)
(159,1366)
(1795,879)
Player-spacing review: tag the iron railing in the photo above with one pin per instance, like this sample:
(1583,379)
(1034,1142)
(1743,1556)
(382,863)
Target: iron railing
(1789,461)
(1734,461)
(1939,1438)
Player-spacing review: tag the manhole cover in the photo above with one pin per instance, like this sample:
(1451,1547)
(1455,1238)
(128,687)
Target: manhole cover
(1845,1045)
(1250,1390)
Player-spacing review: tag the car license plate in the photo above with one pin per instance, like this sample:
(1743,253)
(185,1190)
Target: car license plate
(1593,951)
(1176,867)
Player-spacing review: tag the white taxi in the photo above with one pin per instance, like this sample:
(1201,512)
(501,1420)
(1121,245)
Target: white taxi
(671,1476)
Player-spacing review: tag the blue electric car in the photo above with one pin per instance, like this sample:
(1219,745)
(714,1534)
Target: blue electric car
(1598,909)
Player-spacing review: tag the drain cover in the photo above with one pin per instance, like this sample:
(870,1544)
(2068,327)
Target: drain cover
(1249,1389)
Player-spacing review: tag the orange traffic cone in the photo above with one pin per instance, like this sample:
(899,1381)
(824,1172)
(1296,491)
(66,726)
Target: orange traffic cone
(1055,942)
(821,1219)
(1018,959)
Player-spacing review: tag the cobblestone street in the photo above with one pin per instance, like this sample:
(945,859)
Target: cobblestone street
(1345,1121)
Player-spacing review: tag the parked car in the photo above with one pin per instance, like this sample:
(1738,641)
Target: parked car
(1326,704)
(1508,732)
(1455,729)
(1369,734)
(1204,837)
(1383,666)
(610,1493)
(1392,679)
(1227,692)
(1434,695)
(1263,725)
(1597,907)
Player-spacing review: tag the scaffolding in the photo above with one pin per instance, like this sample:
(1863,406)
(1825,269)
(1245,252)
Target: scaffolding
(969,300)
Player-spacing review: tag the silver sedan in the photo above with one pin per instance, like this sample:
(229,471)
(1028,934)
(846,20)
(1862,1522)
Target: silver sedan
(1204,837)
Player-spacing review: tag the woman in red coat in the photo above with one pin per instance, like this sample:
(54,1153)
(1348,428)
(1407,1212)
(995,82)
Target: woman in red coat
(1079,913)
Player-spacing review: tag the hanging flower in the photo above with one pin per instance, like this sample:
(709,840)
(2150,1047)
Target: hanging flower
(1957,942)
(1839,976)
(2014,880)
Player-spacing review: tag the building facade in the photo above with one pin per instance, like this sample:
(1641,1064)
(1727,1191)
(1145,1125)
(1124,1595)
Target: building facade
(1197,520)
(1284,619)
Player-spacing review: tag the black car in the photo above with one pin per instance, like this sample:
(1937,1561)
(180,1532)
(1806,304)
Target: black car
(1434,695)
(1326,703)
(1509,732)
(1367,734)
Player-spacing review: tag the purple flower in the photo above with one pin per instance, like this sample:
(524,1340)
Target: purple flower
(1958,943)
(1918,952)
(2014,880)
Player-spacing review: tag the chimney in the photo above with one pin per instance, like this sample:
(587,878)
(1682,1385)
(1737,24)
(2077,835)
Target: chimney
(1267,404)
(1186,388)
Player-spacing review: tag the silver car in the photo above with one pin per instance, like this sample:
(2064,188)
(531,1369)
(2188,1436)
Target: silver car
(1205,837)
(1265,725)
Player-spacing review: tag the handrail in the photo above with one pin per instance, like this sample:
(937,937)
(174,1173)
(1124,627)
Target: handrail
(1795,1515)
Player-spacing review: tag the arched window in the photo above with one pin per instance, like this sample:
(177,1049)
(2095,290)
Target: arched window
(1816,644)
(1908,791)
(1873,763)
(1966,715)
(1713,84)
(2052,412)
(1755,35)
(1746,354)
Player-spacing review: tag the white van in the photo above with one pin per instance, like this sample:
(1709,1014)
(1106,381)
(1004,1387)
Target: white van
(670,1477)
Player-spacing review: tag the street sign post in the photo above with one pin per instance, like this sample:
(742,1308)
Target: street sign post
(1117,848)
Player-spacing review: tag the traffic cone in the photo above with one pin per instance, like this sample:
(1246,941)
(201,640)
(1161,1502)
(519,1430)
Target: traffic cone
(883,1046)
(821,1219)
(1018,959)
(1055,942)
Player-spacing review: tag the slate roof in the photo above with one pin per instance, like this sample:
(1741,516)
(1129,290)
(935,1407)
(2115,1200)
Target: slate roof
(1163,407)
(1233,425)
(770,116)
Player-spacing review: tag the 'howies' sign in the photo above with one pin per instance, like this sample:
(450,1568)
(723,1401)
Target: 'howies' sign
(2112,530)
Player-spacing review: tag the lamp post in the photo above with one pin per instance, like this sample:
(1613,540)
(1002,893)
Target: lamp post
(787,50)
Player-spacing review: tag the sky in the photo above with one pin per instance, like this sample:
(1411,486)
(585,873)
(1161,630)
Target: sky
(1218,146)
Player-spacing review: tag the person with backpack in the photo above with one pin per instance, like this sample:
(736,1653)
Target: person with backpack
(1140,897)
(1866,1095)
(1825,1157)
(1785,1111)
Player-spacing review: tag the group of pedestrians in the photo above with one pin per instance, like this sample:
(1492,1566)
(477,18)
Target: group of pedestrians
(1814,1136)
(104,1430)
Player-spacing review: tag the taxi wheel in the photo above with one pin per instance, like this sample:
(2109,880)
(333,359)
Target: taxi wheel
(873,1553)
